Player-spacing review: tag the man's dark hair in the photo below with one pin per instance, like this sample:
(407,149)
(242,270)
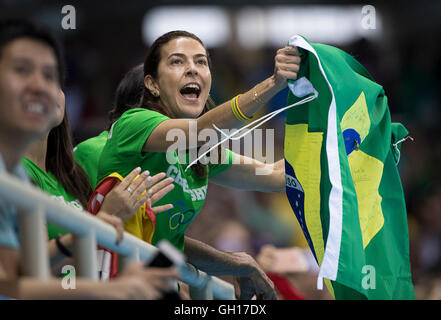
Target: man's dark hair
(14,29)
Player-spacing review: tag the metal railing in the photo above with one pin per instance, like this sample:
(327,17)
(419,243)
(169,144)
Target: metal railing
(36,207)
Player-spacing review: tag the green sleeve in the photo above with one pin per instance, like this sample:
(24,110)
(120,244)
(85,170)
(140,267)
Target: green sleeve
(133,129)
(83,154)
(215,169)
(88,153)
(123,149)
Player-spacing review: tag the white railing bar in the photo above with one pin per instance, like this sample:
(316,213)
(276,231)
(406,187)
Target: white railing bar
(79,222)
(85,255)
(222,289)
(199,279)
(203,293)
(33,240)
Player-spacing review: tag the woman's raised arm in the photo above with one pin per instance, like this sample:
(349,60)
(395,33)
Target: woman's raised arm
(287,64)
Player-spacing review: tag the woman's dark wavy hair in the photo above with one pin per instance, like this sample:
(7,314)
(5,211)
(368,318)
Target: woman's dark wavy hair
(128,93)
(59,158)
(151,62)
(61,163)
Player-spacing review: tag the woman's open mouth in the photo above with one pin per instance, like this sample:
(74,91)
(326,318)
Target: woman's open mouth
(191,91)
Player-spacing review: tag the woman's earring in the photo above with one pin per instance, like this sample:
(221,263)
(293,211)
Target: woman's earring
(155,94)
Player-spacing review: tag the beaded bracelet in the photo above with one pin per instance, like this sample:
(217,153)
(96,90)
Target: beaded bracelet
(256,97)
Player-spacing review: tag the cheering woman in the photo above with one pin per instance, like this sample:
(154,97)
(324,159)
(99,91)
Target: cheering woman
(177,82)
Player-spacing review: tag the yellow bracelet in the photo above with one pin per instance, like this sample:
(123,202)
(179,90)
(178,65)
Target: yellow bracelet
(236,110)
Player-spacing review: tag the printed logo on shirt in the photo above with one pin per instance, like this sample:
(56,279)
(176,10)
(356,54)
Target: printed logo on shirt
(181,218)
(74,204)
(196,194)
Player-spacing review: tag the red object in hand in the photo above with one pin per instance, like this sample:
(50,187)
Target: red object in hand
(94,206)
(285,288)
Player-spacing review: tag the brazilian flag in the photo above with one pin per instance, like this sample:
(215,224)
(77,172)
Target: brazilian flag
(341,154)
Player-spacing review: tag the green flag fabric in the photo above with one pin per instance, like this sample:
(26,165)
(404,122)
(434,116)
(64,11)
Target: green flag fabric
(341,153)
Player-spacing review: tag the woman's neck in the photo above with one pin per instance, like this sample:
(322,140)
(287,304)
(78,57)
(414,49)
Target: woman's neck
(13,148)
(37,152)
(11,155)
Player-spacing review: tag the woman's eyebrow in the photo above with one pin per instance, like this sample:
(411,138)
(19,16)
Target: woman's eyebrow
(181,55)
(199,55)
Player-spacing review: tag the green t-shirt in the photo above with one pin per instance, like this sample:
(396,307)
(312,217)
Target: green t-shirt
(48,183)
(123,152)
(88,153)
